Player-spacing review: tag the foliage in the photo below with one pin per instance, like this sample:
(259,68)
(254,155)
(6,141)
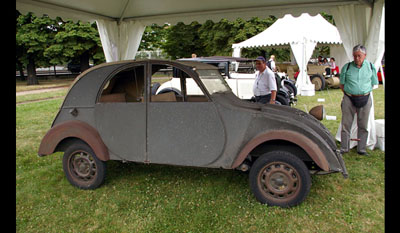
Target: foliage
(211,39)
(183,40)
(45,41)
(216,38)
(33,35)
(153,37)
(73,41)
(42,42)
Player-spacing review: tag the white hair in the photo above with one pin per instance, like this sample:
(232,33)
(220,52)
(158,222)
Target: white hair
(360,48)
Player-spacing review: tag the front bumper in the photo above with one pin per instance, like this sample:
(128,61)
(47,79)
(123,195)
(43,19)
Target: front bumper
(343,169)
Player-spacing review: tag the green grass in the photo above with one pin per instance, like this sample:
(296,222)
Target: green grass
(156,198)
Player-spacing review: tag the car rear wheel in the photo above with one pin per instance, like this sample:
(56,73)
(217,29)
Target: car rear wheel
(82,167)
(279,178)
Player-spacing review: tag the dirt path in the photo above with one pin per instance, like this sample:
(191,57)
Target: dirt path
(38,100)
(40,90)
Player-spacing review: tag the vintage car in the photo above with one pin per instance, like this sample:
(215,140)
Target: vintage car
(239,78)
(109,113)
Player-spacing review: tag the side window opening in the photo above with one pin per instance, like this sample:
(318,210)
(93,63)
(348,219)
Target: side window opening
(125,86)
(170,84)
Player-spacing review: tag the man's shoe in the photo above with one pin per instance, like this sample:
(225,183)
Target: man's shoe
(363,153)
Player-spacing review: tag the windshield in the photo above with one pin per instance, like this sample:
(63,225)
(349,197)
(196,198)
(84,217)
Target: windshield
(213,81)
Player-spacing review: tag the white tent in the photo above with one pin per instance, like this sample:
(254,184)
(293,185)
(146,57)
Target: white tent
(302,34)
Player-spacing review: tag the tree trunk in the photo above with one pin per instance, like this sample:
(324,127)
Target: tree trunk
(21,71)
(84,61)
(21,74)
(32,79)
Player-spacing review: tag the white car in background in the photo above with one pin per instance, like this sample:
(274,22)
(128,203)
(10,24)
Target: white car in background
(239,73)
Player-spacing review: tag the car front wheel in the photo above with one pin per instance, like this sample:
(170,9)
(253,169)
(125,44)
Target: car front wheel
(82,167)
(279,178)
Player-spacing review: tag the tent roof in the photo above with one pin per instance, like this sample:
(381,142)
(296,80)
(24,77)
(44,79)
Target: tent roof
(173,11)
(291,29)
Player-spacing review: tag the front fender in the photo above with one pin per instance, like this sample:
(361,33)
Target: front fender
(73,129)
(302,141)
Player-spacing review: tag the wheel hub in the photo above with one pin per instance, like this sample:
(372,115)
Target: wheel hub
(83,166)
(279,180)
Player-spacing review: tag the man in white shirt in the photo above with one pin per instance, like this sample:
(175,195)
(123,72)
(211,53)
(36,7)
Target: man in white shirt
(264,87)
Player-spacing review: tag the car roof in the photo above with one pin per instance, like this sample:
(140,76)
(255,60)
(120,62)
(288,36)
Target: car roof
(189,63)
(217,59)
(196,64)
(87,84)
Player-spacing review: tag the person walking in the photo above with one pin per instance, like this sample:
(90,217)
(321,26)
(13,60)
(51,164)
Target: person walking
(356,81)
(271,63)
(264,87)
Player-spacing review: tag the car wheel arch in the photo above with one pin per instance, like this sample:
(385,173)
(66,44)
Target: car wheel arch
(63,134)
(291,137)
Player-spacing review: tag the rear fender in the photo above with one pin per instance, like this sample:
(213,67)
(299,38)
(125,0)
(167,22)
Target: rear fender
(73,129)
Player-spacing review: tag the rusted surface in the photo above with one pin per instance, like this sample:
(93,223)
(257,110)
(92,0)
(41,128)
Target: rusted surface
(73,129)
(305,143)
(279,181)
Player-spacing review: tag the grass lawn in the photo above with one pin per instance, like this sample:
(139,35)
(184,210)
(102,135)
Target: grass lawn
(156,198)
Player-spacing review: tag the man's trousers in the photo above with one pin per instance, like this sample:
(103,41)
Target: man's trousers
(348,111)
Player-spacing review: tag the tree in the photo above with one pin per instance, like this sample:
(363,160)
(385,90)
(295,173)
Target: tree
(219,37)
(33,35)
(183,40)
(154,37)
(76,43)
(213,39)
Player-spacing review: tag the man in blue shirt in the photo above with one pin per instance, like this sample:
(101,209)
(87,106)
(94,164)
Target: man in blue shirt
(356,81)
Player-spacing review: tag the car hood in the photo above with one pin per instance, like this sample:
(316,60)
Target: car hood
(286,113)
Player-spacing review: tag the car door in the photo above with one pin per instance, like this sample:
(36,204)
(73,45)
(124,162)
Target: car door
(183,129)
(120,114)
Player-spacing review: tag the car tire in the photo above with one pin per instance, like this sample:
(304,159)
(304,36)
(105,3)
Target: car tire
(154,88)
(279,178)
(82,167)
(282,100)
(292,88)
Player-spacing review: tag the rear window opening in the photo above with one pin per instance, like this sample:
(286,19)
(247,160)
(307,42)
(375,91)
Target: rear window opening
(125,86)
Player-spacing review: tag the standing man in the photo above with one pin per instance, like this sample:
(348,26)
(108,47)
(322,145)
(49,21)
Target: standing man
(264,87)
(356,81)
(271,63)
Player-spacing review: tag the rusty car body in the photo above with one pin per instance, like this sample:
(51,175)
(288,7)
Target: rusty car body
(111,113)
